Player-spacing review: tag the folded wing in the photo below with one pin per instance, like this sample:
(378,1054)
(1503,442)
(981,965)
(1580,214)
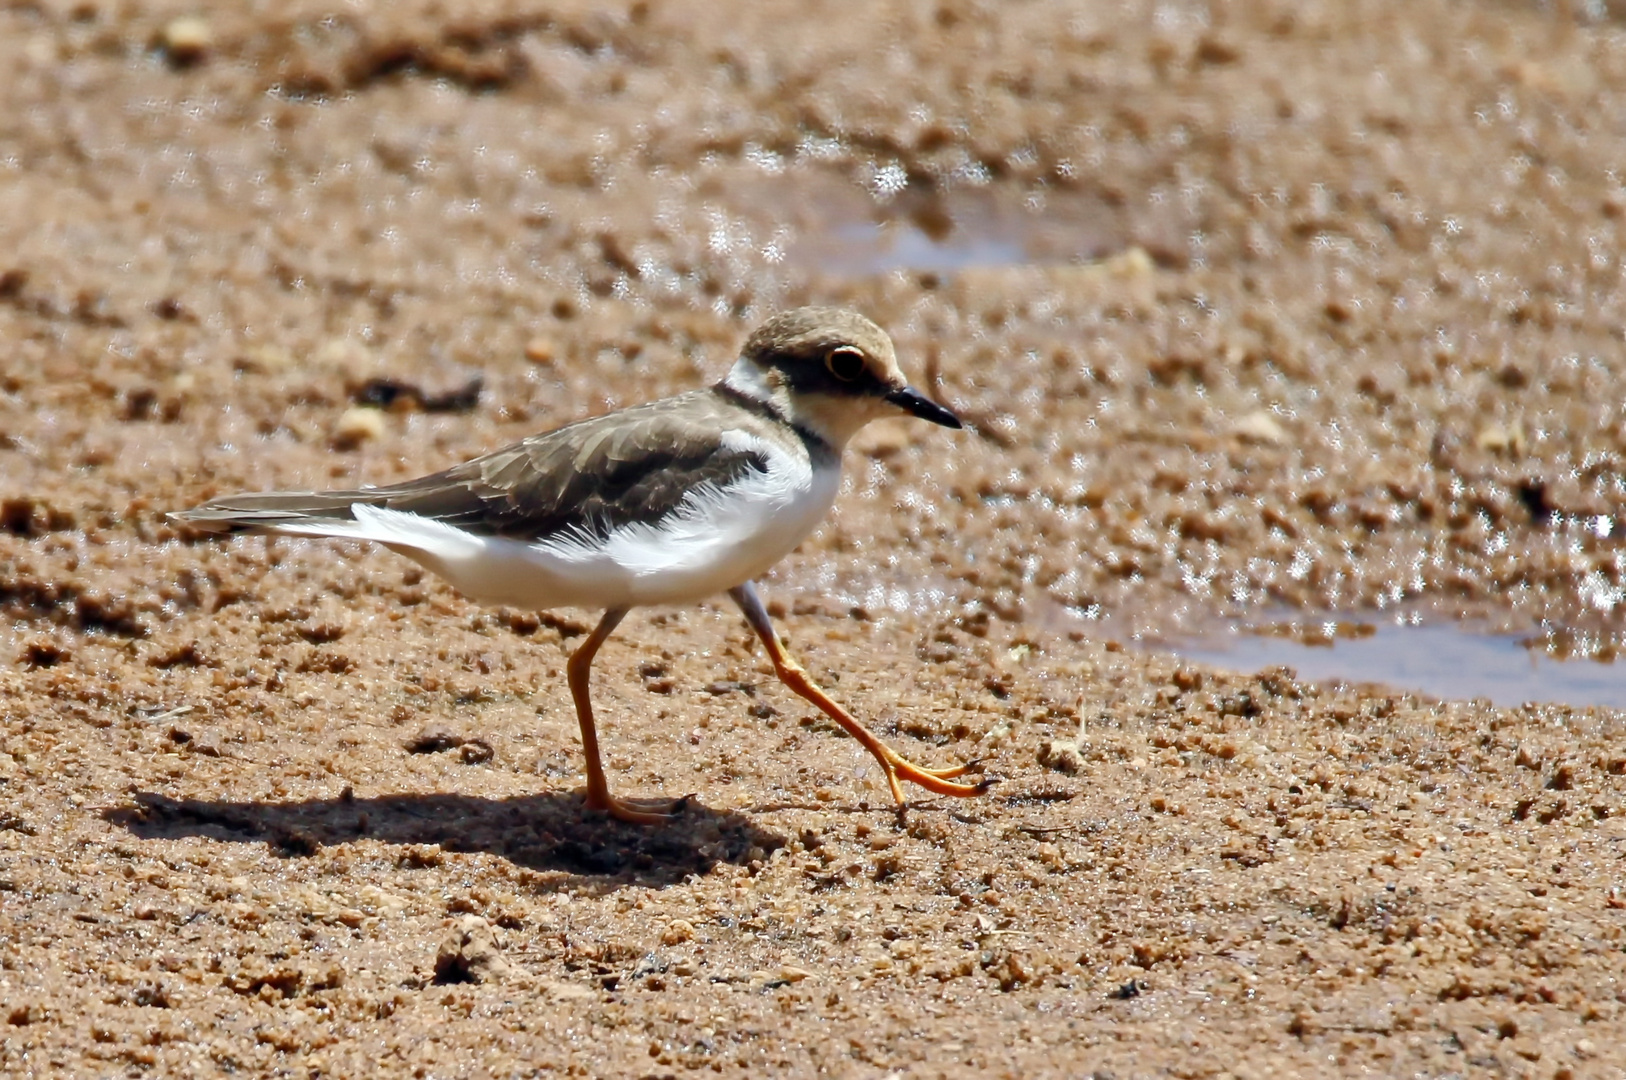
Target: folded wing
(584,480)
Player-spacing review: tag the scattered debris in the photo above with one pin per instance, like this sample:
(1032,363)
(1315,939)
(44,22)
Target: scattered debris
(1062,755)
(434,740)
(469,954)
(677,932)
(398,395)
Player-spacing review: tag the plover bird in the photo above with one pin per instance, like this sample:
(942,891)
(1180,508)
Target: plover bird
(662,503)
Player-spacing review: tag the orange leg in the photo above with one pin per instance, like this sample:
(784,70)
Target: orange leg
(637,811)
(795,676)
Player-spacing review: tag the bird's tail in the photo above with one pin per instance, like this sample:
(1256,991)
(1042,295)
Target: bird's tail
(300,513)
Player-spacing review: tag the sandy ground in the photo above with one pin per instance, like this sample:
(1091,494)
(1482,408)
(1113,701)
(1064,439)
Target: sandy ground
(1266,307)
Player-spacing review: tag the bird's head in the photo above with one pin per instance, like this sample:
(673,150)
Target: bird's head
(831,371)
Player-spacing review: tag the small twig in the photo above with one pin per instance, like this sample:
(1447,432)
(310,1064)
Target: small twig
(1045,830)
(169,714)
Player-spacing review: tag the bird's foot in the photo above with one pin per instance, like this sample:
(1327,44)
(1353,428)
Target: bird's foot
(937,781)
(974,765)
(639,811)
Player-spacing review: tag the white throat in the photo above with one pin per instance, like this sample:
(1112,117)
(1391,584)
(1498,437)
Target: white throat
(748,379)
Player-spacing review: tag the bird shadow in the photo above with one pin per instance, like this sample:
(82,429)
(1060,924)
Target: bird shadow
(551,833)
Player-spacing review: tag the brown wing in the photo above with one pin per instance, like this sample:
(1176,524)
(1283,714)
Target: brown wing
(588,477)
(593,476)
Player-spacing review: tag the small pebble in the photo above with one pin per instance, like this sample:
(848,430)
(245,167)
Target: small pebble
(469,954)
(1260,427)
(1499,440)
(1061,755)
(187,39)
(539,350)
(677,932)
(356,426)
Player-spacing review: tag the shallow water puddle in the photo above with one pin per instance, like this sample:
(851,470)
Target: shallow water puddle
(1442,660)
(943,233)
(866,247)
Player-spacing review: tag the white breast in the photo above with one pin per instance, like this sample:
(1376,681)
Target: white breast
(719,537)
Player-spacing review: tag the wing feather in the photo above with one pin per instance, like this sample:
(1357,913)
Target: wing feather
(585,479)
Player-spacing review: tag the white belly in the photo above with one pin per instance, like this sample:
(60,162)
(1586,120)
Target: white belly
(718,538)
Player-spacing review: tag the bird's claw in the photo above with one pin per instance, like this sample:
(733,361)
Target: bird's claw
(640,811)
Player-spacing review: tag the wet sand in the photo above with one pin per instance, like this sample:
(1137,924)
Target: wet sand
(1305,307)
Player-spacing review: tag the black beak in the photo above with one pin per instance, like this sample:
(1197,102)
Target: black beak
(913,401)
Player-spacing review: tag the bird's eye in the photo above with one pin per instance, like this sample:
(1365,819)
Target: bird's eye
(845,363)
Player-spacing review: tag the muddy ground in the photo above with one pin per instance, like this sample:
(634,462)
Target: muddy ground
(1255,308)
